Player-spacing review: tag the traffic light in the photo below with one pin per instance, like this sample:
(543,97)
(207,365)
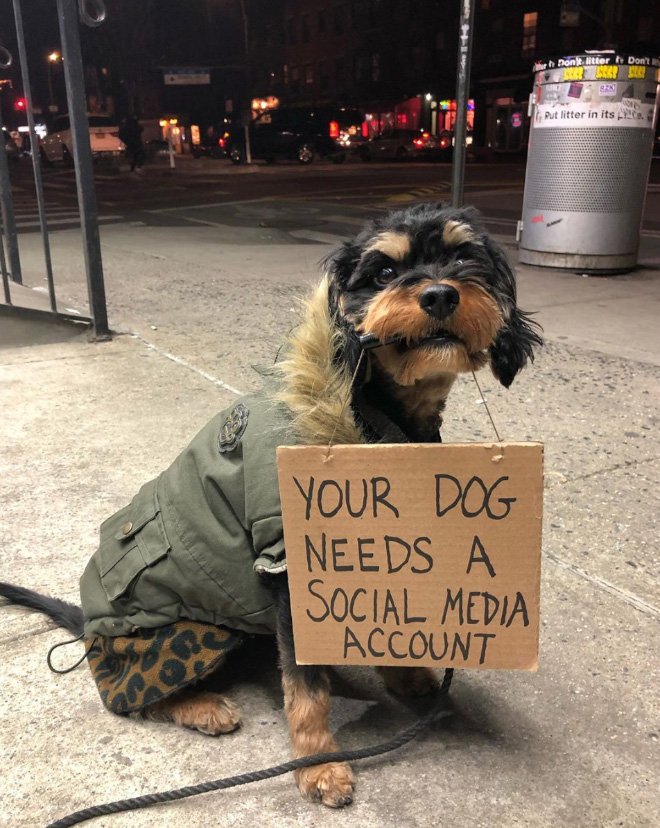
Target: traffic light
(20,104)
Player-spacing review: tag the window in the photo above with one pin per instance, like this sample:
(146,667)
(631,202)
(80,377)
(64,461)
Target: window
(530,21)
(340,72)
(292,32)
(324,80)
(309,74)
(322,21)
(305,28)
(295,78)
(285,74)
(339,20)
(375,67)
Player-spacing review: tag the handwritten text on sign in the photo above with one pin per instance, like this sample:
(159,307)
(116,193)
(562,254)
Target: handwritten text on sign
(414,554)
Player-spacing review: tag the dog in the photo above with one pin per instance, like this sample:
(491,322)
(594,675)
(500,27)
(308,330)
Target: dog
(162,604)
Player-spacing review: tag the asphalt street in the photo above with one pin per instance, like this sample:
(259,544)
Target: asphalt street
(292,204)
(202,270)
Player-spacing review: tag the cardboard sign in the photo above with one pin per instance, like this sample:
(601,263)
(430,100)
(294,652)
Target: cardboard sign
(409,555)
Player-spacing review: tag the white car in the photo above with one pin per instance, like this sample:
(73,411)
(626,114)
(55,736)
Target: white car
(103,138)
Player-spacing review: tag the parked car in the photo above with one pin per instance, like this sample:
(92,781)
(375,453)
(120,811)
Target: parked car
(103,137)
(303,133)
(404,144)
(14,152)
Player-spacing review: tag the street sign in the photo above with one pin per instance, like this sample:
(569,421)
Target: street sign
(186,76)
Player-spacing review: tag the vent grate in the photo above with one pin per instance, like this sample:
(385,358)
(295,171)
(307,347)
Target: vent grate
(600,170)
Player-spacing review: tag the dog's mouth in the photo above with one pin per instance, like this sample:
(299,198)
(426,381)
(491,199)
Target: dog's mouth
(436,340)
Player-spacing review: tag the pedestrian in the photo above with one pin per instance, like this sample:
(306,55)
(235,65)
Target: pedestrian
(131,134)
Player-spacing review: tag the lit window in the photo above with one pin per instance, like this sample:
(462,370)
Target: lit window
(530,21)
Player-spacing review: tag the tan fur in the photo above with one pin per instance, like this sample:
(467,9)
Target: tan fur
(409,681)
(425,400)
(307,714)
(315,389)
(210,713)
(397,312)
(394,245)
(454,234)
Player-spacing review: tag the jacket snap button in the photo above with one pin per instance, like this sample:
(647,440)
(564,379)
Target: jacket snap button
(126,528)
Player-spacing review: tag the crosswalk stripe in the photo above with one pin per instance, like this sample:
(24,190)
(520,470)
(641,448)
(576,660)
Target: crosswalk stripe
(72,220)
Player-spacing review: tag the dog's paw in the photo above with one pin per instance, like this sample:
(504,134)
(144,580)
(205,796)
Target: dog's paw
(331,784)
(410,681)
(210,713)
(214,714)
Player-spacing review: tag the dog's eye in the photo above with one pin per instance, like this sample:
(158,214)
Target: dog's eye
(385,275)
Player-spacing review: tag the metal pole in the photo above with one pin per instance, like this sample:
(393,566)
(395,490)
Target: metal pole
(5,275)
(170,146)
(465,29)
(248,148)
(34,146)
(8,218)
(67,13)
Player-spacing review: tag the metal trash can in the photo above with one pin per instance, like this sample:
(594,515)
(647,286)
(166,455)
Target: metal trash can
(591,137)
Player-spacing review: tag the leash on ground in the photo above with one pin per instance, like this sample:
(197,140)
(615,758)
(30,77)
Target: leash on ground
(439,711)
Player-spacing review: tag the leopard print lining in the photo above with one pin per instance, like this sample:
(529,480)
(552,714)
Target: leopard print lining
(134,671)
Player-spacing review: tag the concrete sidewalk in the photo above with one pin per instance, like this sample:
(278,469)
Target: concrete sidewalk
(575,745)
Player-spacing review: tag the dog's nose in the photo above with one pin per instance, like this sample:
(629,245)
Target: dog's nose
(439,301)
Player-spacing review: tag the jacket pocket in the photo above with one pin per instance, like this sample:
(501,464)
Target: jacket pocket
(131,540)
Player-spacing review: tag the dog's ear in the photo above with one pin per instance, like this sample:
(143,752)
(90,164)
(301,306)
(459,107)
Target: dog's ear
(341,263)
(513,346)
(520,335)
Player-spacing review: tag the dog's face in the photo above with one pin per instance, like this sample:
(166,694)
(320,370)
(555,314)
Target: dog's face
(432,279)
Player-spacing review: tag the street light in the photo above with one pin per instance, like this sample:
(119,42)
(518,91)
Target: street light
(53,57)
(248,149)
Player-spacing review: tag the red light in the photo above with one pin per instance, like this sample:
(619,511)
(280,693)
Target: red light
(365,129)
(20,104)
(443,142)
(426,134)
(221,142)
(418,142)
(334,129)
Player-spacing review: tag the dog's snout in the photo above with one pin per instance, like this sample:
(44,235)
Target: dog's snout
(439,301)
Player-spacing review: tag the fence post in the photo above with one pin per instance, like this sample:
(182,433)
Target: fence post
(8,219)
(67,13)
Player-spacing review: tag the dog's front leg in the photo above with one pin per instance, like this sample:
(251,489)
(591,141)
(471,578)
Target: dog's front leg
(307,705)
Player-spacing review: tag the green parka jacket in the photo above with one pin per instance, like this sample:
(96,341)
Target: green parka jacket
(191,542)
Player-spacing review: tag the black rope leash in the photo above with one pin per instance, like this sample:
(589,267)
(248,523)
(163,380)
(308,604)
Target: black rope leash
(439,712)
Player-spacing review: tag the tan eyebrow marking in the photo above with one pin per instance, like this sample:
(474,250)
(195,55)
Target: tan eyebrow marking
(455,233)
(394,245)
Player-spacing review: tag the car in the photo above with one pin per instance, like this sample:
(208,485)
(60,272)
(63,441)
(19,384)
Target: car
(103,138)
(405,144)
(14,152)
(299,133)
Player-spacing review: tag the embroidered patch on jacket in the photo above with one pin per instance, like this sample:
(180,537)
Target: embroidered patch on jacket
(233,428)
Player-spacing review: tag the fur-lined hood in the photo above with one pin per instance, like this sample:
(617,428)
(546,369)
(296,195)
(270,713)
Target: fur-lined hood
(313,384)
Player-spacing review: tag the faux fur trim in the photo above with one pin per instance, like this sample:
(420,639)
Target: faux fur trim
(313,385)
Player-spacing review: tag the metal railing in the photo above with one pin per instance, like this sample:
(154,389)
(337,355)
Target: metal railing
(69,12)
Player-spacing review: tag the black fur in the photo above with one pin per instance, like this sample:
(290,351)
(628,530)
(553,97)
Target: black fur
(353,282)
(65,615)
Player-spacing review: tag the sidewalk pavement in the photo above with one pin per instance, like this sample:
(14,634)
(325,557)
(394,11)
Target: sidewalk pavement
(84,424)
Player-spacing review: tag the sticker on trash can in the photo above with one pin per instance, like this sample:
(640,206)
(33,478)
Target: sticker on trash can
(607,89)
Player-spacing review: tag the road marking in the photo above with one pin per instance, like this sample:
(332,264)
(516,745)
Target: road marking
(354,220)
(204,206)
(24,224)
(316,236)
(180,361)
(634,600)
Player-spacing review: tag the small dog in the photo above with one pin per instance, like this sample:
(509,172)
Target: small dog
(162,603)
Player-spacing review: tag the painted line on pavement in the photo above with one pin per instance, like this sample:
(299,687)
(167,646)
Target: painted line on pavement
(185,364)
(634,600)
(317,236)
